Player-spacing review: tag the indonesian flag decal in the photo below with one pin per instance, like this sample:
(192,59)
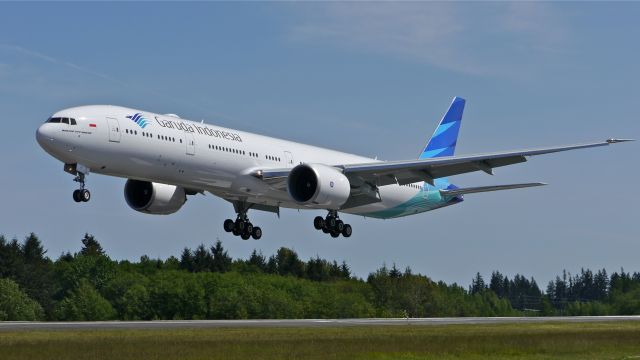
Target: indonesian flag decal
(92,125)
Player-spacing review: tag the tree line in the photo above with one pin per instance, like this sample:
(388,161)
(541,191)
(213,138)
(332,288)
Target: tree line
(207,283)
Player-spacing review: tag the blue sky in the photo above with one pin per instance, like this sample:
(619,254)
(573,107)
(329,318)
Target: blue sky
(367,78)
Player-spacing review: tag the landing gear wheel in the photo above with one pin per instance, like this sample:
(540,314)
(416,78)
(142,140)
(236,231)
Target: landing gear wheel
(339,226)
(347,230)
(85,195)
(325,230)
(240,225)
(335,234)
(76,196)
(318,222)
(228,225)
(256,233)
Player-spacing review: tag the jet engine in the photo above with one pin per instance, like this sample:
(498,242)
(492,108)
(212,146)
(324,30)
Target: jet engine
(154,198)
(318,185)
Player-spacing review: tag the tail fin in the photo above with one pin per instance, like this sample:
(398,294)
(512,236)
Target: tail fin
(443,141)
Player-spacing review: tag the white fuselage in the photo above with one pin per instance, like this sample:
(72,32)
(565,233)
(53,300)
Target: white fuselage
(140,145)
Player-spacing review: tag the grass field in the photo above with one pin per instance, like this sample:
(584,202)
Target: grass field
(615,340)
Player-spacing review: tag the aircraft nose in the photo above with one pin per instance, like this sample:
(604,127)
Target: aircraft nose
(44,135)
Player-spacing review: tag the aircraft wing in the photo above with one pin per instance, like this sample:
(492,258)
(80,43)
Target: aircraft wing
(403,172)
(410,171)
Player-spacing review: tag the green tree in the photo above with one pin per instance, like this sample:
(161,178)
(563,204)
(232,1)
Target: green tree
(91,246)
(37,275)
(258,260)
(15,305)
(186,260)
(288,263)
(221,260)
(11,259)
(84,304)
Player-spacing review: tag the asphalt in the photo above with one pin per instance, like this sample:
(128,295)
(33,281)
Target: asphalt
(190,324)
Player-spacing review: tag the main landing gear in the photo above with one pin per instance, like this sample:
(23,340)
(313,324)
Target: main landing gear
(82,194)
(242,227)
(332,225)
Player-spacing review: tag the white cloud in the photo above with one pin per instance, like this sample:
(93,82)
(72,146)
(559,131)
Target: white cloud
(445,35)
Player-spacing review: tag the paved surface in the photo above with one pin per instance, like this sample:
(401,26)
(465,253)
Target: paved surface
(176,324)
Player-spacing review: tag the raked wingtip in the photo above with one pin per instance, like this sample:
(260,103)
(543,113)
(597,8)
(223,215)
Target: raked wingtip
(615,141)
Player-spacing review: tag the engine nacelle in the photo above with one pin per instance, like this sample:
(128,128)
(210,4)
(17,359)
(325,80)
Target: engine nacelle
(154,198)
(318,185)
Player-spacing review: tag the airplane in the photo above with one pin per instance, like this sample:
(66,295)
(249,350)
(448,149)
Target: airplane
(166,158)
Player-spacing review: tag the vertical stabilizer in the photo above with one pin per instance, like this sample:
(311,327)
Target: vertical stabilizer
(443,141)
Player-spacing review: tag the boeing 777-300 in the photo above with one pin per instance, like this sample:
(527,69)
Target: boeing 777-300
(165,159)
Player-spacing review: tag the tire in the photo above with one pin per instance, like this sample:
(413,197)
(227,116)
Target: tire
(248,228)
(325,230)
(335,234)
(235,231)
(76,196)
(85,195)
(339,226)
(257,233)
(347,230)
(331,223)
(318,222)
(245,236)
(228,225)
(240,225)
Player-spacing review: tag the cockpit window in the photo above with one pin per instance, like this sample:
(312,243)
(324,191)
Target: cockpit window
(58,120)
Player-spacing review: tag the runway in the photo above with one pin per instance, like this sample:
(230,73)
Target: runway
(190,324)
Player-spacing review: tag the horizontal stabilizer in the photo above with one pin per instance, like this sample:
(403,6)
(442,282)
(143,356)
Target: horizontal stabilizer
(471,190)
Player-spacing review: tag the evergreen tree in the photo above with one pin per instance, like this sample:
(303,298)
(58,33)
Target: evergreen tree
(37,275)
(496,284)
(258,260)
(202,260)
(32,250)
(11,259)
(394,273)
(288,263)
(186,260)
(345,271)
(317,269)
(272,265)
(91,246)
(477,284)
(221,260)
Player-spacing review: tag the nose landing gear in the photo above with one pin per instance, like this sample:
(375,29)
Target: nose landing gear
(332,225)
(82,194)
